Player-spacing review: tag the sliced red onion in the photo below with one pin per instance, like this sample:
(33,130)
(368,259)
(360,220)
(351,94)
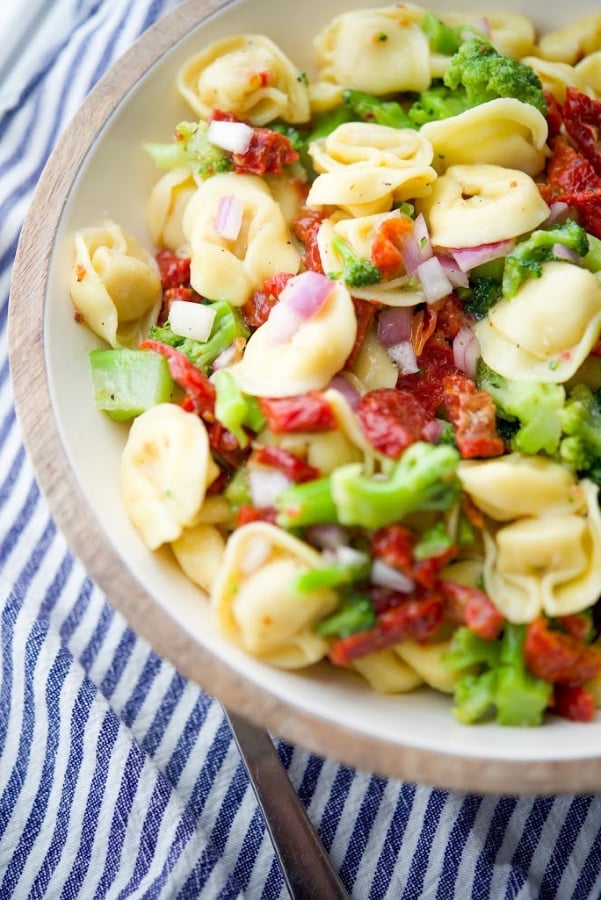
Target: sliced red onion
(232,136)
(434,281)
(432,430)
(404,356)
(266,485)
(394,325)
(560,251)
(228,218)
(483,25)
(452,271)
(417,246)
(283,323)
(467,258)
(466,351)
(558,213)
(349,391)
(386,576)
(306,293)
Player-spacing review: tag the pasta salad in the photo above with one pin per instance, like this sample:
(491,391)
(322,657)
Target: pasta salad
(358,354)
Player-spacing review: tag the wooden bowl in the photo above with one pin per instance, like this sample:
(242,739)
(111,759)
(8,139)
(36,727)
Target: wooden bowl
(97,170)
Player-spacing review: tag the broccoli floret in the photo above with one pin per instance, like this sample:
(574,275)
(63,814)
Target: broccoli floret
(423,478)
(535,408)
(355,272)
(371,108)
(527,258)
(580,447)
(486,75)
(484,291)
(438,102)
(191,149)
(493,679)
(227,326)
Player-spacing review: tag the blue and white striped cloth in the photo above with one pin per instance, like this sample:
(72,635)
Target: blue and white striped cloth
(118,778)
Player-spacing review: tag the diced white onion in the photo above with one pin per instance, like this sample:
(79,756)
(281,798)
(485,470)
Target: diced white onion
(326,536)
(191,320)
(266,485)
(232,136)
(388,577)
(404,356)
(466,351)
(349,556)
(422,236)
(228,218)
(434,281)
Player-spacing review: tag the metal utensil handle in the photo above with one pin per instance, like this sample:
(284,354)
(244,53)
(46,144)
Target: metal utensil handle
(305,864)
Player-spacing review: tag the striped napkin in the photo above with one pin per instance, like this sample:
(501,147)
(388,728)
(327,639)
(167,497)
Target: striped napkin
(118,778)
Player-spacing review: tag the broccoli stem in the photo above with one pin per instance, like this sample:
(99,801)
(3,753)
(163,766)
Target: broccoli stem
(126,382)
(309,503)
(371,108)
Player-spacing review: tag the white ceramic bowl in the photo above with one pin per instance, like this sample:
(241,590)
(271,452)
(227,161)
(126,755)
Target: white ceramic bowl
(98,169)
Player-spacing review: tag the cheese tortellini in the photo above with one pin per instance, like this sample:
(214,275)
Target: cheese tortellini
(114,284)
(543,545)
(231,269)
(572,43)
(547,330)
(165,209)
(479,204)
(272,367)
(503,132)
(247,75)
(256,604)
(365,168)
(166,466)
(376,50)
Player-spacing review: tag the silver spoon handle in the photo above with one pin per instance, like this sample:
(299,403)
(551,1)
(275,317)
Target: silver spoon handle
(305,864)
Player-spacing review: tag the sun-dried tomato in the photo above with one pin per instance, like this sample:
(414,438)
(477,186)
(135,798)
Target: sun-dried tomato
(200,391)
(573,702)
(450,316)
(426,572)
(365,311)
(391,420)
(582,120)
(305,227)
(248,513)
(414,619)
(267,154)
(559,657)
(579,625)
(471,606)
(435,361)
(225,445)
(569,170)
(174,270)
(423,326)
(386,249)
(257,308)
(394,545)
(305,412)
(295,468)
(473,415)
(554,114)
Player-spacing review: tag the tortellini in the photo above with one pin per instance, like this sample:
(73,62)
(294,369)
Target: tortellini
(572,43)
(359,234)
(247,75)
(166,466)
(588,70)
(255,601)
(199,552)
(556,77)
(232,269)
(517,486)
(550,564)
(167,202)
(547,330)
(479,204)
(511,34)
(114,284)
(365,168)
(375,50)
(307,361)
(386,673)
(503,132)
